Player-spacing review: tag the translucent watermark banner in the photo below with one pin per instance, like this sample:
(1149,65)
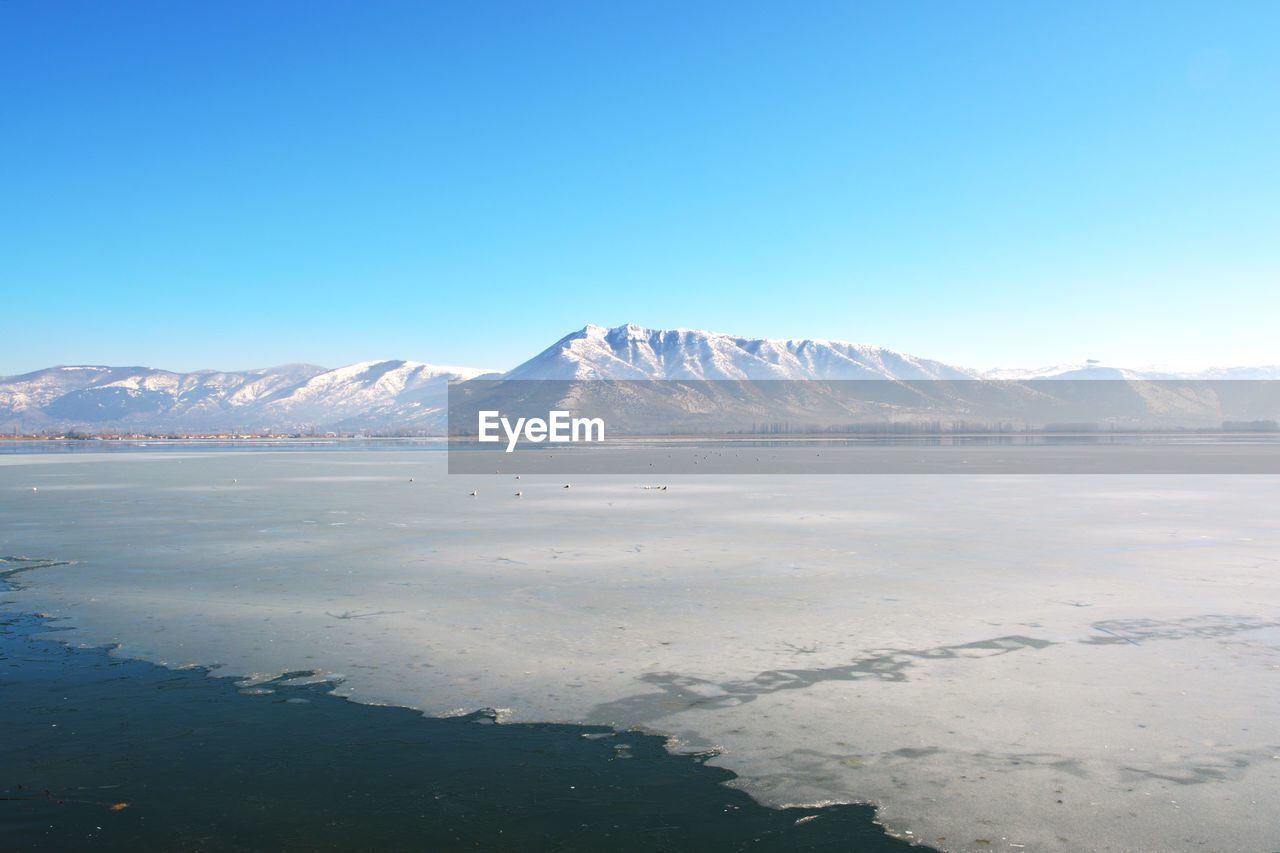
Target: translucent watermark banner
(864,426)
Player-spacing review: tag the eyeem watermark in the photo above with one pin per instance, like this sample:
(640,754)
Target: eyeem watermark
(1067,426)
(557,426)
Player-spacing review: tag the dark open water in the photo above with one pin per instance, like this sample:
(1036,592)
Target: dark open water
(205,766)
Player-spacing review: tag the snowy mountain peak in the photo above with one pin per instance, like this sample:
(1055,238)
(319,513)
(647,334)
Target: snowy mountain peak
(411,396)
(634,352)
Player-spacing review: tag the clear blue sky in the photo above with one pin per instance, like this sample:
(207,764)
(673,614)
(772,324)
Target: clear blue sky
(239,184)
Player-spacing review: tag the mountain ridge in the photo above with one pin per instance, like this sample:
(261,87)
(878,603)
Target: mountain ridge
(411,396)
(636,352)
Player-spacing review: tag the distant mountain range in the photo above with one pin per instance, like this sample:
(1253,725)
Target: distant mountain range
(372,395)
(411,397)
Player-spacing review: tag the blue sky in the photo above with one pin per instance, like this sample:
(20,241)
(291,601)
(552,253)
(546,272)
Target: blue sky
(239,184)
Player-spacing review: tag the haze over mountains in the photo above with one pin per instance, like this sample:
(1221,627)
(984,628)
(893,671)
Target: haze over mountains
(411,397)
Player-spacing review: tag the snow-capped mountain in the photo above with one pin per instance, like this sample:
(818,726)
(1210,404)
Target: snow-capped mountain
(1080,370)
(390,394)
(1093,369)
(101,394)
(889,387)
(633,352)
(373,394)
(409,396)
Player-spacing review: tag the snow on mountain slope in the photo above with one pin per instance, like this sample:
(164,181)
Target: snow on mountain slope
(1095,370)
(390,392)
(633,352)
(37,389)
(290,396)
(1081,370)
(412,396)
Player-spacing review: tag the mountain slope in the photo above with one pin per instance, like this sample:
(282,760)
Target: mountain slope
(633,352)
(291,397)
(1095,370)
(377,394)
(410,396)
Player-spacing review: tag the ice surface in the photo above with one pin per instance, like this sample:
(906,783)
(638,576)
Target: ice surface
(1065,663)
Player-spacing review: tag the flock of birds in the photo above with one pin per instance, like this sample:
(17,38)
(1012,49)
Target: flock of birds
(520,494)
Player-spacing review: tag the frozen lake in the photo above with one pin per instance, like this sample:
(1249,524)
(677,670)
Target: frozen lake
(1053,662)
